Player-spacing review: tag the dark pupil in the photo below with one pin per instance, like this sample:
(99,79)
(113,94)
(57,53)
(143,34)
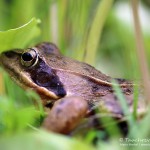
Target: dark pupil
(27,57)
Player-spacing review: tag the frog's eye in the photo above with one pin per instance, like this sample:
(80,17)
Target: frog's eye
(29,58)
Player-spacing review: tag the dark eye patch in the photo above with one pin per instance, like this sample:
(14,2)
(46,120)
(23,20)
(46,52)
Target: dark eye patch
(46,77)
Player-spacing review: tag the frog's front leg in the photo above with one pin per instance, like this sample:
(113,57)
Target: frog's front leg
(65,114)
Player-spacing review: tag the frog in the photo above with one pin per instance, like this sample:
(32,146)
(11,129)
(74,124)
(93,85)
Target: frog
(71,90)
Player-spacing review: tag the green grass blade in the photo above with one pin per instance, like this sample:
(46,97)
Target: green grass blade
(123,103)
(135,101)
(96,30)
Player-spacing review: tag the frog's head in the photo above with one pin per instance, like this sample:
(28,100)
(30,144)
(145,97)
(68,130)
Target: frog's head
(30,70)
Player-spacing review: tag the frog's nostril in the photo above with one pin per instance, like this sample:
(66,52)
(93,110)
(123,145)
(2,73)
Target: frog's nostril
(9,54)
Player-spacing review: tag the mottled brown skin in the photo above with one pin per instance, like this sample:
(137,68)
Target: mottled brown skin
(54,77)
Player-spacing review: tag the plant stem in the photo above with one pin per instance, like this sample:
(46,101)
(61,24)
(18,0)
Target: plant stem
(140,51)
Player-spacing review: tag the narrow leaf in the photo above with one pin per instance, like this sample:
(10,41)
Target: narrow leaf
(96,30)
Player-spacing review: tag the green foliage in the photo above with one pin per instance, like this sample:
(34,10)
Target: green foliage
(42,140)
(19,37)
(14,118)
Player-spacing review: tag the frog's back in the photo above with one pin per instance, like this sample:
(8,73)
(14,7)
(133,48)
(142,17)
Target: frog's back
(53,57)
(59,62)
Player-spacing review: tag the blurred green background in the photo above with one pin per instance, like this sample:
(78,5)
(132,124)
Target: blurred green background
(68,23)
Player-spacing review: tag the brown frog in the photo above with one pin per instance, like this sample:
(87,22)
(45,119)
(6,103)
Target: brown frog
(73,89)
